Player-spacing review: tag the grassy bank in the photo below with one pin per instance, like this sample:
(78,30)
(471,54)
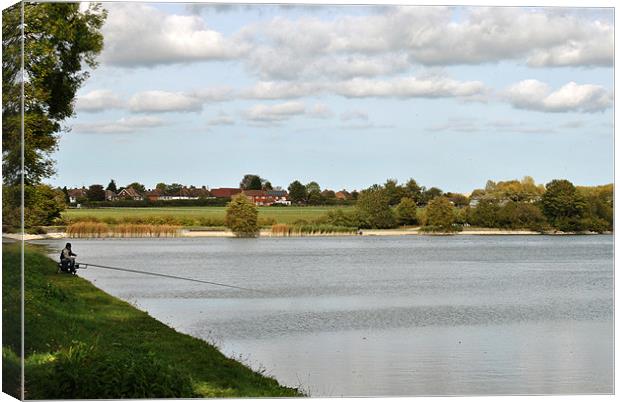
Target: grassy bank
(84,343)
(193,216)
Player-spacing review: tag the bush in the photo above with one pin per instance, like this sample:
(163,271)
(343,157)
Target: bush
(84,372)
(406,212)
(440,216)
(373,210)
(242,217)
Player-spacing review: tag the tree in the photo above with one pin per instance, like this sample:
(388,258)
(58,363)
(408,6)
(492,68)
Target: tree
(373,209)
(95,193)
(173,189)
(137,186)
(430,194)
(112,186)
(440,215)
(406,212)
(242,216)
(485,214)
(161,187)
(251,182)
(413,190)
(297,192)
(59,40)
(521,215)
(563,206)
(267,186)
(393,191)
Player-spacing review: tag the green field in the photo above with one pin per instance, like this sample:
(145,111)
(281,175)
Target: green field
(194,216)
(83,343)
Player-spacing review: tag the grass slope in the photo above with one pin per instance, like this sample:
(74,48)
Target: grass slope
(278,214)
(84,343)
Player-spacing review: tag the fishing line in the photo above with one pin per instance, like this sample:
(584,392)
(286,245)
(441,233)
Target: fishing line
(169,276)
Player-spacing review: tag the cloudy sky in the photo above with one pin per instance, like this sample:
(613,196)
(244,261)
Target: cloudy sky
(345,95)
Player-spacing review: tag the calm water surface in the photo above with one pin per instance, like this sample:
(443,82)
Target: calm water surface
(379,316)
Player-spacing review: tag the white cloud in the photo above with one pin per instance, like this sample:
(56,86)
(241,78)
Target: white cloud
(274,113)
(410,87)
(162,101)
(140,35)
(281,90)
(572,97)
(98,100)
(123,125)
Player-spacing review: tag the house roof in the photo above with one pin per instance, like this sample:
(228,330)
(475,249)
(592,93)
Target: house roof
(77,192)
(224,192)
(130,191)
(277,193)
(255,193)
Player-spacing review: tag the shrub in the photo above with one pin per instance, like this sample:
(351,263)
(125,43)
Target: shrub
(242,217)
(440,216)
(85,372)
(406,212)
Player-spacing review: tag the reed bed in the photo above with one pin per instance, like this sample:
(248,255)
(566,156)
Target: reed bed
(101,229)
(284,230)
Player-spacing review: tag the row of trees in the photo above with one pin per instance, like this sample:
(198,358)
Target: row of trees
(507,205)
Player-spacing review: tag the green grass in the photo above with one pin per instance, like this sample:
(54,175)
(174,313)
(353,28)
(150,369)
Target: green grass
(83,343)
(196,216)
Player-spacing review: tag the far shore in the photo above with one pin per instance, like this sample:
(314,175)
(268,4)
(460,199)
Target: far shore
(191,233)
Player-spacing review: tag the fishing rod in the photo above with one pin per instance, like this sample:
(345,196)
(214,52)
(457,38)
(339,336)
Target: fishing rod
(83,265)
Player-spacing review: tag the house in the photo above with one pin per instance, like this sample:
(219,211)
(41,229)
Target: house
(110,195)
(279,197)
(130,193)
(266,198)
(225,192)
(75,194)
(153,195)
(343,195)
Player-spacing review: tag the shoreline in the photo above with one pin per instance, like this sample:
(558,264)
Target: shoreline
(266,233)
(66,311)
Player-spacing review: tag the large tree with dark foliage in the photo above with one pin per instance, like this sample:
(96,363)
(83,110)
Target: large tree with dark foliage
(59,40)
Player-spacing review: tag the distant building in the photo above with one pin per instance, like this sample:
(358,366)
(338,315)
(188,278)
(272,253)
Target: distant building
(130,193)
(153,195)
(110,195)
(75,194)
(224,192)
(343,195)
(266,198)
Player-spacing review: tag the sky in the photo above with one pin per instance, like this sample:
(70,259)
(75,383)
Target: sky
(347,96)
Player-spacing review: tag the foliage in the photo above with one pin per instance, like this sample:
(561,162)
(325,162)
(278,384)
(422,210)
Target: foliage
(485,214)
(251,182)
(430,194)
(406,212)
(440,216)
(86,372)
(297,192)
(393,191)
(58,40)
(373,210)
(139,187)
(563,205)
(95,193)
(521,215)
(242,217)
(340,217)
(112,186)
(284,230)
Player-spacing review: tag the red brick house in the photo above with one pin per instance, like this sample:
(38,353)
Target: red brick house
(224,192)
(266,198)
(75,194)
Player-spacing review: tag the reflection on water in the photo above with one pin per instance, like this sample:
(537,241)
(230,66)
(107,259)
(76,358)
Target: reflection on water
(465,315)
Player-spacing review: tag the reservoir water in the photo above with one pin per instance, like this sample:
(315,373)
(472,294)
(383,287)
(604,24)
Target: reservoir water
(385,316)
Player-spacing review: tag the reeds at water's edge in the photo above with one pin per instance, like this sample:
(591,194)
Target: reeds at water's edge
(85,229)
(284,230)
